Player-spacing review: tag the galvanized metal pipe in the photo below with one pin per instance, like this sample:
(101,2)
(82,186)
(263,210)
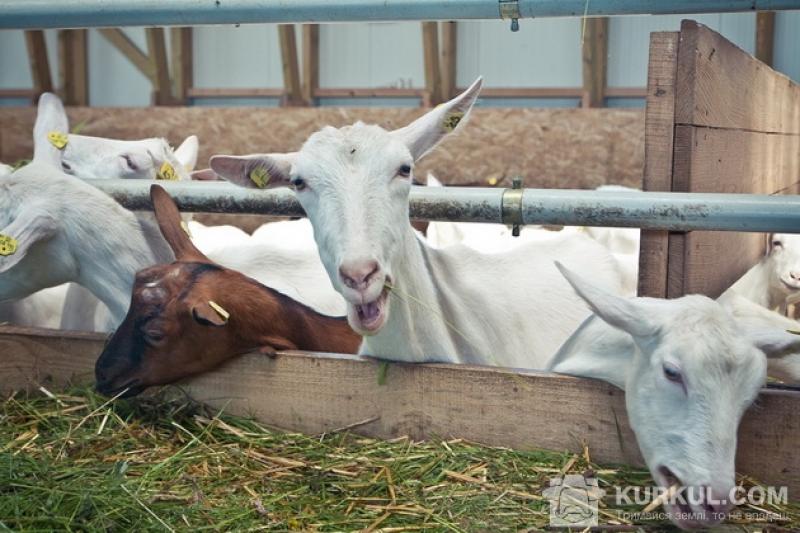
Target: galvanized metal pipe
(649,210)
(26,14)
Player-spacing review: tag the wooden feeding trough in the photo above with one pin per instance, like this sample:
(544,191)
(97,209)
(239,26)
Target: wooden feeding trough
(717,120)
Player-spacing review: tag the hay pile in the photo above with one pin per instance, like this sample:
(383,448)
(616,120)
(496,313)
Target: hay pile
(76,461)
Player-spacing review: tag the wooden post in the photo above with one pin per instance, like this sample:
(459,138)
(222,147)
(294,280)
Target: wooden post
(157,54)
(765,36)
(72,70)
(595,59)
(182,63)
(291,70)
(448,61)
(310,62)
(129,49)
(433,79)
(40,67)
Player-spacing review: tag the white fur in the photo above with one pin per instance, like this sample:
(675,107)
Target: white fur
(452,304)
(292,234)
(5,170)
(688,426)
(775,278)
(41,309)
(97,158)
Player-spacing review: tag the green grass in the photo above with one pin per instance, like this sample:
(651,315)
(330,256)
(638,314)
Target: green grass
(76,461)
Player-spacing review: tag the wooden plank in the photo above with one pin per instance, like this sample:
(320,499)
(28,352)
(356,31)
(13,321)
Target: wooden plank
(182,63)
(128,48)
(37,56)
(658,138)
(291,68)
(722,86)
(594,46)
(72,67)
(310,62)
(448,59)
(430,51)
(315,393)
(202,92)
(729,161)
(157,54)
(765,36)
(17,93)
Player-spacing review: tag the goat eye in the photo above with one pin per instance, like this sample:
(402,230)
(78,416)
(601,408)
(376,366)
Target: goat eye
(65,166)
(153,336)
(777,244)
(299,184)
(672,373)
(404,170)
(129,162)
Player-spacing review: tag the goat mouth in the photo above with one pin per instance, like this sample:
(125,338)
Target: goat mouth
(678,507)
(792,286)
(127,390)
(369,317)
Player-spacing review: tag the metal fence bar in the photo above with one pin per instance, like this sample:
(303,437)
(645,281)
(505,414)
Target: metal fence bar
(647,210)
(38,14)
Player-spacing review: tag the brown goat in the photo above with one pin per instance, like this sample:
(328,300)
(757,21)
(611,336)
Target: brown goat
(192,315)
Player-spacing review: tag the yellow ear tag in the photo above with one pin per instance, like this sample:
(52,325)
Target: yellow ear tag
(185,228)
(492,181)
(224,315)
(260,177)
(451,120)
(58,139)
(166,172)
(8,244)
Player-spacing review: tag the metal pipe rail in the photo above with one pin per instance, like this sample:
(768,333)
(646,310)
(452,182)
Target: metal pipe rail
(646,210)
(30,14)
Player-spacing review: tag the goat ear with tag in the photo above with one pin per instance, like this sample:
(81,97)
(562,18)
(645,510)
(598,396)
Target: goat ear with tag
(26,230)
(210,314)
(254,171)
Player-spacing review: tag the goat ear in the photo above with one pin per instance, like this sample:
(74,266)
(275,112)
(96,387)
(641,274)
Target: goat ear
(169,221)
(772,333)
(206,314)
(425,133)
(31,226)
(255,171)
(597,351)
(50,119)
(205,174)
(433,182)
(627,314)
(186,153)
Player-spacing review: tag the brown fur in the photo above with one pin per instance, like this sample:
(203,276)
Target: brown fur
(172,332)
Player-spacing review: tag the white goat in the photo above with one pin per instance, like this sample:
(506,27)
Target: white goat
(775,278)
(689,369)
(5,170)
(414,302)
(97,158)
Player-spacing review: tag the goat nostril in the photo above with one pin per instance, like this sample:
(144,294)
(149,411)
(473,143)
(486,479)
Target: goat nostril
(358,274)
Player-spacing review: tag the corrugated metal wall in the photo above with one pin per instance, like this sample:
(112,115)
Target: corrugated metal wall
(544,53)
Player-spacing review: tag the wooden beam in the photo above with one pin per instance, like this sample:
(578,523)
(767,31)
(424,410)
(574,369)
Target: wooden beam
(430,50)
(310,62)
(291,69)
(595,60)
(72,67)
(316,393)
(40,66)
(765,36)
(448,60)
(202,92)
(182,63)
(157,54)
(135,55)
(659,128)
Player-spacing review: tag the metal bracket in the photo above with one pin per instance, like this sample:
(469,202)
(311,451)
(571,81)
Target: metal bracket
(512,206)
(509,9)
